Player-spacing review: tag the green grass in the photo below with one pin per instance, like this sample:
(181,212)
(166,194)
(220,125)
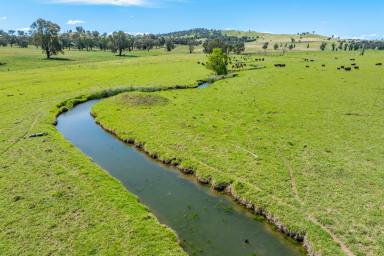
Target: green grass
(305,144)
(53,199)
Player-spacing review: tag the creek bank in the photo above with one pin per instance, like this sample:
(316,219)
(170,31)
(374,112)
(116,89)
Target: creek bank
(220,188)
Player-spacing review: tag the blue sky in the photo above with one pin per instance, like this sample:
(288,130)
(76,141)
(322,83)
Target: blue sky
(338,17)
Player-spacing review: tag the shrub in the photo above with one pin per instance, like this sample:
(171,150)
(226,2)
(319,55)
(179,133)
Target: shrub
(218,61)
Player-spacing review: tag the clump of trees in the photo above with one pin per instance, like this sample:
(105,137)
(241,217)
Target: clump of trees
(12,37)
(226,43)
(218,61)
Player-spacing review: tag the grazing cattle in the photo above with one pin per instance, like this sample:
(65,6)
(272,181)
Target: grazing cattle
(352,59)
(356,67)
(280,65)
(353,64)
(348,69)
(379,64)
(342,67)
(323,65)
(307,66)
(338,68)
(312,60)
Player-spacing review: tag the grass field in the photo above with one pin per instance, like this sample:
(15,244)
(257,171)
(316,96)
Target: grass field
(53,199)
(305,144)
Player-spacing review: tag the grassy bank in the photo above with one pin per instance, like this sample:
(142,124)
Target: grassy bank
(53,199)
(302,143)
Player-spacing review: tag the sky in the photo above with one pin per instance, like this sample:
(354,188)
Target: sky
(344,18)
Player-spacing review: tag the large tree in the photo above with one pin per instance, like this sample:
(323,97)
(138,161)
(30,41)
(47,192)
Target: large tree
(120,42)
(46,34)
(169,45)
(218,61)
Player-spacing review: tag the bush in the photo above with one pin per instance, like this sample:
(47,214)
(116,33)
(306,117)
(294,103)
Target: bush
(218,61)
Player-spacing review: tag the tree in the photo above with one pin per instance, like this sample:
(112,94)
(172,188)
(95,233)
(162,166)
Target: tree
(362,50)
(120,42)
(46,34)
(191,46)
(333,46)
(11,37)
(265,45)
(323,46)
(148,43)
(169,45)
(218,61)
(276,46)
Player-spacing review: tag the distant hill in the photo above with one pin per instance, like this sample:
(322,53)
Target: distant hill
(201,33)
(255,40)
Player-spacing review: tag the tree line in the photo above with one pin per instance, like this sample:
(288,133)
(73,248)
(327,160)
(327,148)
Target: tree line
(47,35)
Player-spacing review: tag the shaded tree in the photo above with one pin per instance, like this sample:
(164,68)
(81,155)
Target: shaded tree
(191,46)
(120,42)
(46,34)
(333,46)
(323,46)
(276,46)
(11,37)
(169,45)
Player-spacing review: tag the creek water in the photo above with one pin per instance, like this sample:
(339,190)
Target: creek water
(206,222)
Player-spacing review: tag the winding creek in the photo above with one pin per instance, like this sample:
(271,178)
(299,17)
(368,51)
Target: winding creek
(206,222)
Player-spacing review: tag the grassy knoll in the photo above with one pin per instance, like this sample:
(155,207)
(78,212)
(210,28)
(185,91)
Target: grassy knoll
(306,144)
(53,199)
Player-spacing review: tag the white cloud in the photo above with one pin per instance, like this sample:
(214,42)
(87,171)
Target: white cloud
(75,22)
(3,18)
(104,2)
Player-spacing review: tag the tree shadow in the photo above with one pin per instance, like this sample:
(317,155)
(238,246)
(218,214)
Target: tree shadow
(60,59)
(127,56)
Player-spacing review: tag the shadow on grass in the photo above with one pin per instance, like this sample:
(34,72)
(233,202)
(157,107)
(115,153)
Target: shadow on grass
(60,59)
(127,56)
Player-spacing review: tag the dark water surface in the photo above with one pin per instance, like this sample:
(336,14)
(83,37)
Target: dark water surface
(206,222)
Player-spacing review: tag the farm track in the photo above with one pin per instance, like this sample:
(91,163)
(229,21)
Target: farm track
(311,218)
